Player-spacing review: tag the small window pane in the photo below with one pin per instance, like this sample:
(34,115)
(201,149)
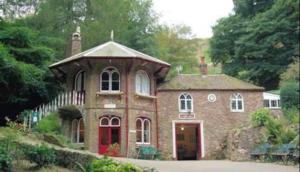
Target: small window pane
(188,97)
(146,136)
(233,105)
(273,103)
(74,131)
(182,97)
(115,85)
(81,131)
(182,104)
(104,121)
(240,105)
(105,76)
(146,131)
(189,105)
(278,103)
(138,125)
(138,135)
(115,76)
(105,85)
(146,125)
(137,83)
(115,121)
(266,103)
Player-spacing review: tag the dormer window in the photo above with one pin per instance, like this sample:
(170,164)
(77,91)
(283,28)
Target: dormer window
(236,103)
(185,103)
(110,80)
(142,83)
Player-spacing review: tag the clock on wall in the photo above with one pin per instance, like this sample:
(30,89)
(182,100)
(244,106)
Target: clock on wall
(211,98)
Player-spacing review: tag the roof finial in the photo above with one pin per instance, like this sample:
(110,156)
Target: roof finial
(78,29)
(112,35)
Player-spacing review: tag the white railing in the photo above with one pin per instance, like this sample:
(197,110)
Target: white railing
(63,99)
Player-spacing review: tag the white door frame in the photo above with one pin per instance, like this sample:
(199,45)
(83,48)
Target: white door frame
(200,122)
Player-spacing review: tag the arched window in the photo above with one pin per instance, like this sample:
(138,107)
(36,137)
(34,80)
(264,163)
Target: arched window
(115,121)
(143,131)
(110,80)
(104,121)
(74,134)
(110,122)
(185,103)
(79,84)
(80,131)
(236,103)
(77,131)
(142,83)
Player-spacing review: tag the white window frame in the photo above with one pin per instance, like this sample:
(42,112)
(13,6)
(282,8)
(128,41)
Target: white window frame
(270,103)
(109,122)
(142,87)
(110,72)
(78,130)
(234,97)
(143,120)
(100,124)
(119,124)
(76,80)
(76,140)
(185,109)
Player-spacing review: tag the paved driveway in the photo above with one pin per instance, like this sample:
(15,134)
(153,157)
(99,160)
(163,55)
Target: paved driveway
(211,166)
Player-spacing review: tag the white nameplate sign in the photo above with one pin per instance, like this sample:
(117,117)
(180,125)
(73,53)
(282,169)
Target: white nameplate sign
(187,116)
(110,106)
(132,131)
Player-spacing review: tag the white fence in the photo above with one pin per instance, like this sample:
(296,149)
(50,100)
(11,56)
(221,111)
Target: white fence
(63,99)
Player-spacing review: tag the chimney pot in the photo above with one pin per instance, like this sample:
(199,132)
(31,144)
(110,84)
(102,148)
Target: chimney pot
(203,66)
(75,43)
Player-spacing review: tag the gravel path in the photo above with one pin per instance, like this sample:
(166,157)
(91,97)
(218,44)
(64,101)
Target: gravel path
(210,166)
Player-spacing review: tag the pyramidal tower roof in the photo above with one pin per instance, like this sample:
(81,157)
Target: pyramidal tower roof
(110,50)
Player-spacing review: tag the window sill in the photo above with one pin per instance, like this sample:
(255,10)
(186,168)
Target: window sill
(236,111)
(273,107)
(109,93)
(142,144)
(145,96)
(180,111)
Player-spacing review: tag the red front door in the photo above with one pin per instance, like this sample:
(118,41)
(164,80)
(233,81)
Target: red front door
(108,136)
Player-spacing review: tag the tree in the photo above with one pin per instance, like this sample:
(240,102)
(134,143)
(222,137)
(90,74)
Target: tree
(12,9)
(289,87)
(134,22)
(257,45)
(25,79)
(176,46)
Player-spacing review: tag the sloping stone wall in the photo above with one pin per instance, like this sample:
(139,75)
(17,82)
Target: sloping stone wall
(241,141)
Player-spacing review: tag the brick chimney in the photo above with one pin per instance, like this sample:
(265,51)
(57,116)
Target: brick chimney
(75,43)
(203,66)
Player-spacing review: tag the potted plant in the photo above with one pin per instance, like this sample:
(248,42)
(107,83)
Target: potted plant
(113,150)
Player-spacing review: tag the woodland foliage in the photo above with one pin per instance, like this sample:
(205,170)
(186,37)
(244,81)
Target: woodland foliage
(258,41)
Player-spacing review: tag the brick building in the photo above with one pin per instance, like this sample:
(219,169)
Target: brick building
(128,101)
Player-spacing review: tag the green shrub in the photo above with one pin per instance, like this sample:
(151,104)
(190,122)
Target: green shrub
(287,135)
(278,131)
(42,155)
(289,93)
(108,165)
(260,117)
(5,160)
(292,115)
(49,124)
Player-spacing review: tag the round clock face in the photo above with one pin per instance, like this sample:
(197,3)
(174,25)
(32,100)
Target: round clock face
(211,98)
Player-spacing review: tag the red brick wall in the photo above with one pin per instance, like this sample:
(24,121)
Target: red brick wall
(217,117)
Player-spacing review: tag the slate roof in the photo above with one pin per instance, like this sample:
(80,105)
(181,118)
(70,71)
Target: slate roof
(207,82)
(110,50)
